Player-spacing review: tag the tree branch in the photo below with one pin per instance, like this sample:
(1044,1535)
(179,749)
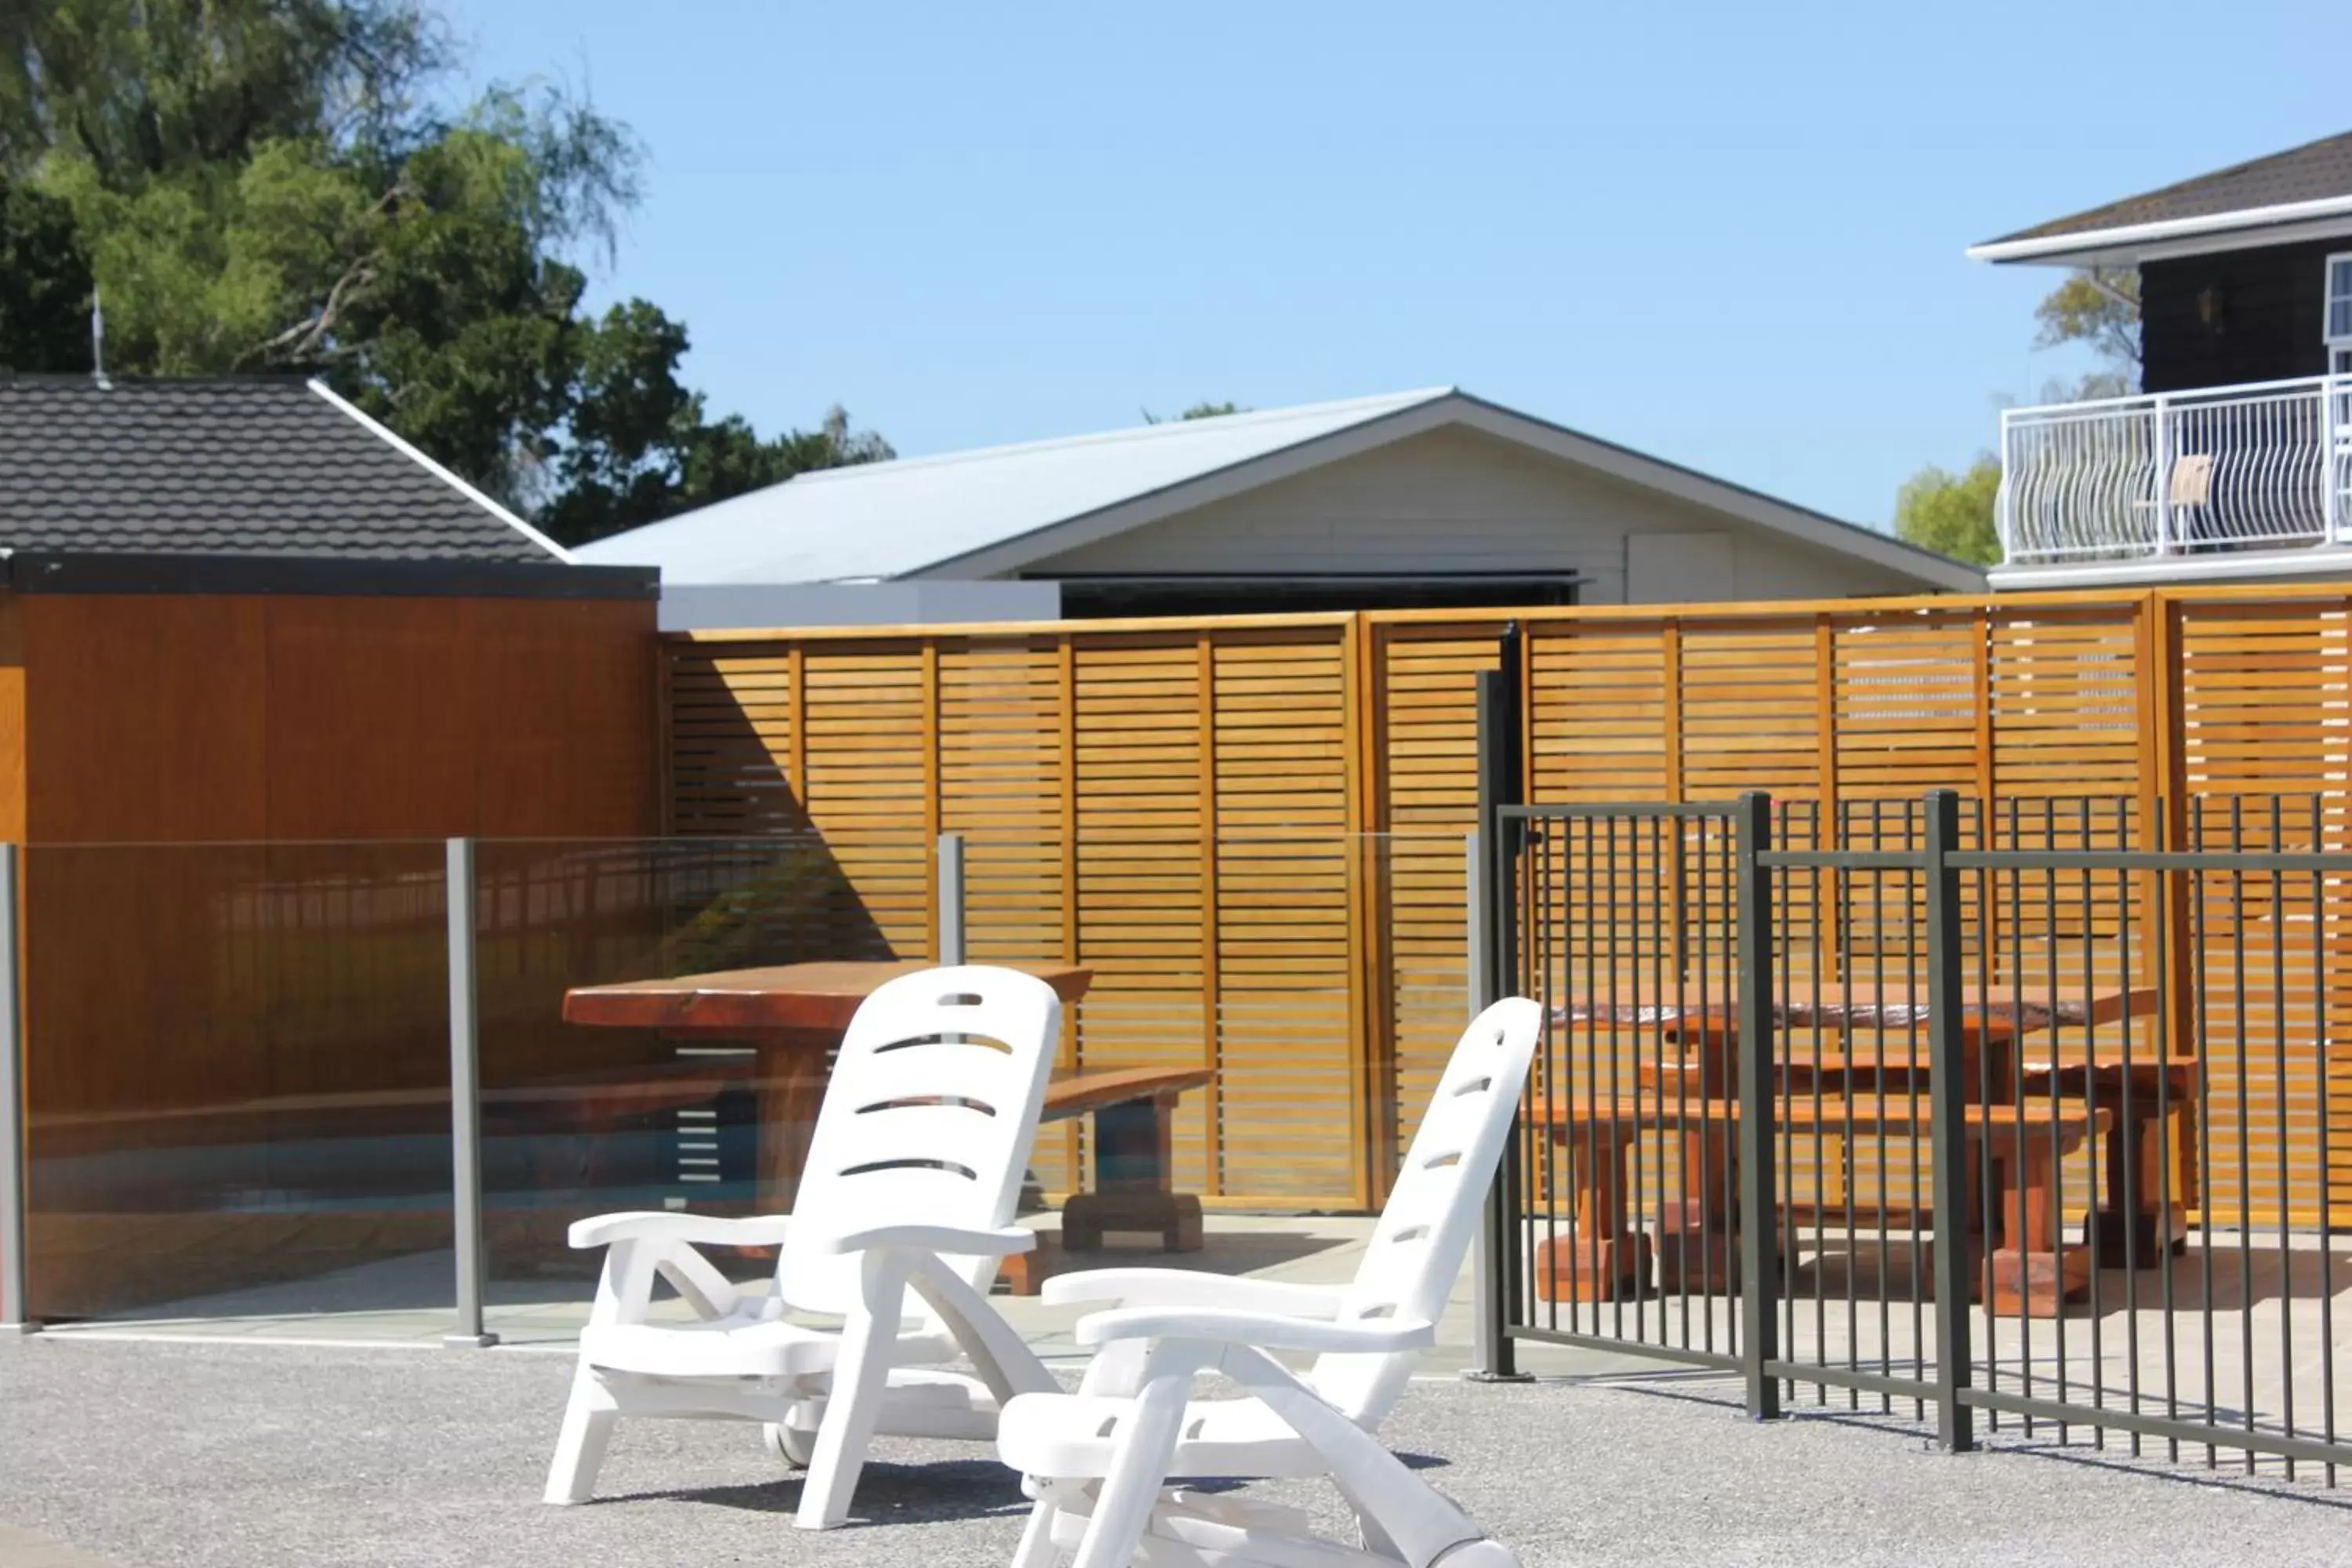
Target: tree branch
(302,341)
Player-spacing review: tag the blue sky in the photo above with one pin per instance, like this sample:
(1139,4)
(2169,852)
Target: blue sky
(1727,234)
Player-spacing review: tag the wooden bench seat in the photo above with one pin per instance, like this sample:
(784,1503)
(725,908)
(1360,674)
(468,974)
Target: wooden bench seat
(1606,1255)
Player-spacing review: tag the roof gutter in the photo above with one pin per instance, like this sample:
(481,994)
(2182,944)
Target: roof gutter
(118,571)
(2058,246)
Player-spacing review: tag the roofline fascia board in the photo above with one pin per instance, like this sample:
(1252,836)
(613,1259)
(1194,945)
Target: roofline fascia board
(2220,243)
(2058,246)
(324,576)
(1202,490)
(2322,564)
(408,449)
(1457,407)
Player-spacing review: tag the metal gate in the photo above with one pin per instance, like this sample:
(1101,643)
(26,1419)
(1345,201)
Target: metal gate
(1963,1108)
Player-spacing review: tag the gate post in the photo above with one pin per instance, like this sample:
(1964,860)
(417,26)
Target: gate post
(1948,1105)
(1759,1252)
(1492,908)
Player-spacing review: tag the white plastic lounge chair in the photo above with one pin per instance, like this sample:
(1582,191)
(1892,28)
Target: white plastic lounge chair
(1097,1460)
(904,1210)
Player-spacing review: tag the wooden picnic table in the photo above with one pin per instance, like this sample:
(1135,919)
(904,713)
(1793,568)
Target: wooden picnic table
(792,1015)
(2008,1058)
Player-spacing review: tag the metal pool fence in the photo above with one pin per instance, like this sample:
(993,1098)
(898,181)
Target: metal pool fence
(1994,1111)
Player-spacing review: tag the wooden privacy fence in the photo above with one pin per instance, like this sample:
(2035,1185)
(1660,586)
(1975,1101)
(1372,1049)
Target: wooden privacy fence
(1250,827)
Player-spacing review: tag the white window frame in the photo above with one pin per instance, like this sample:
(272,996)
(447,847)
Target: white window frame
(2338,344)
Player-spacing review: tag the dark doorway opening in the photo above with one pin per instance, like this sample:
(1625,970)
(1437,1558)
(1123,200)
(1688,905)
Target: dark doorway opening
(1087,599)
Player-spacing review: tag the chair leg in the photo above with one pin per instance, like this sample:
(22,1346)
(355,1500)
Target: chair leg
(1138,1469)
(588,1421)
(1402,1516)
(861,1379)
(1036,1548)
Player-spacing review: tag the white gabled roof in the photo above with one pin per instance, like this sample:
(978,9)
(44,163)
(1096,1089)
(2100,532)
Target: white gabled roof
(982,513)
(893,520)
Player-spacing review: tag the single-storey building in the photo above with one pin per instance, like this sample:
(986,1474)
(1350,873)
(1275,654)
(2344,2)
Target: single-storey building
(257,655)
(1429,499)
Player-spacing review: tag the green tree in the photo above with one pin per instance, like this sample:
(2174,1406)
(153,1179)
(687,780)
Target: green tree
(256,186)
(45,284)
(640,446)
(2099,308)
(1952,512)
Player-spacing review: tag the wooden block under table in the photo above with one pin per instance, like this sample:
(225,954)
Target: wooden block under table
(1698,1250)
(1088,1218)
(1026,1273)
(1593,1267)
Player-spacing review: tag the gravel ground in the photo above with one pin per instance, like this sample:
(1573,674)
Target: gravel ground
(155,1456)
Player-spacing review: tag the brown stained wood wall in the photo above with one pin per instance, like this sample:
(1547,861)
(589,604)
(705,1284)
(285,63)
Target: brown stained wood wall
(1179,805)
(233,806)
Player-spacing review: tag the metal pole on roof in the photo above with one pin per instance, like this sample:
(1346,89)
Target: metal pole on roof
(16,1308)
(465,1102)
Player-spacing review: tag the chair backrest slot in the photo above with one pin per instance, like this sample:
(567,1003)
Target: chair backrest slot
(954,1101)
(871,1166)
(944,1038)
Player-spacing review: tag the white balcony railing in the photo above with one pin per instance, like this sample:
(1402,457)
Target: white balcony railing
(2267,465)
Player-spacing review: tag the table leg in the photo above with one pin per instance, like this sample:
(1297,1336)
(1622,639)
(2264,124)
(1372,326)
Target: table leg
(1698,1253)
(792,1074)
(2028,1274)
(1135,1166)
(1602,1257)
(1135,1160)
(2151,1229)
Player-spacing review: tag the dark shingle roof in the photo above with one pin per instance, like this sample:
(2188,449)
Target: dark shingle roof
(253,466)
(2311,173)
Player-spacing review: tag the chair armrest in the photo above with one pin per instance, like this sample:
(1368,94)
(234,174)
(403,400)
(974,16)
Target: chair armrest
(695,1230)
(1192,1288)
(938,1238)
(1260,1331)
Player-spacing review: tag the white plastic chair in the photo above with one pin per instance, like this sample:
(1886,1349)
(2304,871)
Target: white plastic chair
(912,1174)
(1097,1460)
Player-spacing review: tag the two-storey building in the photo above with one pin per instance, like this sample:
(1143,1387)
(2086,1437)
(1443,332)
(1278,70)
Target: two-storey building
(2233,460)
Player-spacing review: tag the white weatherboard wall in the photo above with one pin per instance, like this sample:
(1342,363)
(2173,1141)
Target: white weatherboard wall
(1461,500)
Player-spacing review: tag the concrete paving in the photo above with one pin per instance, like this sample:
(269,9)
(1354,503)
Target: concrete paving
(227,1454)
(375,1305)
(23,1549)
(2281,1317)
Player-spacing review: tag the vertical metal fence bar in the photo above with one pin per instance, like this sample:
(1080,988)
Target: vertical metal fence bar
(16,1304)
(1759,1262)
(1948,1142)
(950,947)
(1490,1346)
(465,1100)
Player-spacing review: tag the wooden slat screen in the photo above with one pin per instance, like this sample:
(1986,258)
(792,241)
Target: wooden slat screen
(1174,808)
(2266,705)
(1250,827)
